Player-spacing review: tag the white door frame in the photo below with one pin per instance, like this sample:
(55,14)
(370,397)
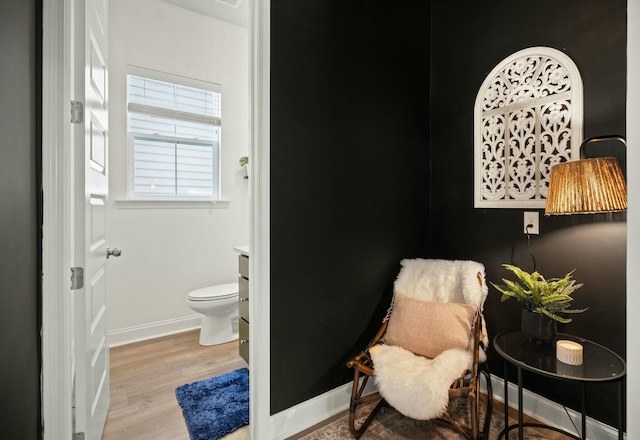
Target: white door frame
(57,239)
(259,280)
(633,215)
(57,183)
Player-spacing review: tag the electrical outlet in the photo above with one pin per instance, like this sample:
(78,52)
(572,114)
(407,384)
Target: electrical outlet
(532,222)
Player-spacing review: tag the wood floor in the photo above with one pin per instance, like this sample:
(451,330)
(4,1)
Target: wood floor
(144,377)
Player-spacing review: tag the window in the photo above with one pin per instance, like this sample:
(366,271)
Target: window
(174,136)
(528,117)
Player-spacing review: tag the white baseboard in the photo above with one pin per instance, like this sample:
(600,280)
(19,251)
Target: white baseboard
(306,414)
(300,417)
(153,330)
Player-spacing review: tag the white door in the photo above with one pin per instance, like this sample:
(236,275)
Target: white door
(90,224)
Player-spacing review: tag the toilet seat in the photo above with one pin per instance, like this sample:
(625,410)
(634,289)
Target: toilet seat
(215,293)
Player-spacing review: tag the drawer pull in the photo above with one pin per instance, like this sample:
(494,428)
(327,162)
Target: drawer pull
(243,299)
(244,341)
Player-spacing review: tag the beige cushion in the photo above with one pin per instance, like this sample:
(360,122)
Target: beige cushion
(429,328)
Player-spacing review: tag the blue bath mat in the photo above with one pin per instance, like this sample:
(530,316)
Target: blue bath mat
(215,407)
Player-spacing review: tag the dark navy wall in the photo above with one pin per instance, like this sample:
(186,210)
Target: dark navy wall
(468,40)
(19,220)
(349,179)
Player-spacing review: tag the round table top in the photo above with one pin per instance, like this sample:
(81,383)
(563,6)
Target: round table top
(599,363)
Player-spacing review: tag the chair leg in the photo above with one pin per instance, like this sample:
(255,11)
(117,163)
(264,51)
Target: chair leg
(359,384)
(474,402)
(357,433)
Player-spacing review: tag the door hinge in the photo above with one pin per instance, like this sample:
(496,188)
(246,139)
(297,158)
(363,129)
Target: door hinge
(78,436)
(77,278)
(77,112)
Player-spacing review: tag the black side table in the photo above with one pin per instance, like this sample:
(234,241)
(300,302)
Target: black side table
(599,365)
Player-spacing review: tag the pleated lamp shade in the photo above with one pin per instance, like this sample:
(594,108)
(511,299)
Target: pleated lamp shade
(586,186)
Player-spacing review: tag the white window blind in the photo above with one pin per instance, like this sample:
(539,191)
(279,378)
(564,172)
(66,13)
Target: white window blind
(174,132)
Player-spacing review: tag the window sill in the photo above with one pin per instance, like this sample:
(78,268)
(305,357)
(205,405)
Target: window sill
(172,204)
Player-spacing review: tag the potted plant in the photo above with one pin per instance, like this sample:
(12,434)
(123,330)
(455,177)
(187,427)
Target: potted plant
(544,301)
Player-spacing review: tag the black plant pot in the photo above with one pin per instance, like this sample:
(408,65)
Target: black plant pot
(537,326)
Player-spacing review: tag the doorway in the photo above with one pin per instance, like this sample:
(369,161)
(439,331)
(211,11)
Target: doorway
(58,359)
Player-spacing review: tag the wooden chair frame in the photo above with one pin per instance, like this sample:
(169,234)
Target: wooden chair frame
(467,385)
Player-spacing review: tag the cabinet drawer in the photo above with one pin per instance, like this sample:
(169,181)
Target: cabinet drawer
(243,265)
(243,334)
(243,298)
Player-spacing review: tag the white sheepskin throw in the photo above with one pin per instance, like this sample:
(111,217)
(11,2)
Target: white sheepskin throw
(453,281)
(416,386)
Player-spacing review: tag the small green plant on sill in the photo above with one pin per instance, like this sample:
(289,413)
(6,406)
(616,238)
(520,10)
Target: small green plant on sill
(550,297)
(244,160)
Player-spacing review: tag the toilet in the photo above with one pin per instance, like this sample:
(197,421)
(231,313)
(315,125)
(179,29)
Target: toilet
(219,308)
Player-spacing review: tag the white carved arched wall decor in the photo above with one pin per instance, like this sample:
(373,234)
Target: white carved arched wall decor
(528,117)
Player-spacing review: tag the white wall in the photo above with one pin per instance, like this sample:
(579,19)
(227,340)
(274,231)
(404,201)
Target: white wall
(168,252)
(633,219)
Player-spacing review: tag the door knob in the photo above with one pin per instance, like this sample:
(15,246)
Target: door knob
(115,252)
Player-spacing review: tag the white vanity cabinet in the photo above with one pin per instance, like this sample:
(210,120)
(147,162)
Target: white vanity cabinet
(243,298)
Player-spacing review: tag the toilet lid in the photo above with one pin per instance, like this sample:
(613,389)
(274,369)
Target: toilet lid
(220,291)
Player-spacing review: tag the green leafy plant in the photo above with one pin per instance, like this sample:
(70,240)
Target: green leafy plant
(244,160)
(550,297)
